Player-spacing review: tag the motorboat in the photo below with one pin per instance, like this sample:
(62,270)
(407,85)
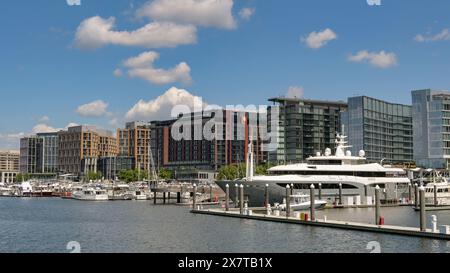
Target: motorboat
(300,202)
(90,194)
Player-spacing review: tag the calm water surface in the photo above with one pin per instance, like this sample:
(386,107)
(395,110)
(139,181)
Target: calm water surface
(47,225)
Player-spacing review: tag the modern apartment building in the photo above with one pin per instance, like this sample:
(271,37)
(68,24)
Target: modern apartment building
(305,128)
(111,166)
(31,155)
(210,140)
(134,141)
(81,146)
(382,129)
(9,166)
(431,123)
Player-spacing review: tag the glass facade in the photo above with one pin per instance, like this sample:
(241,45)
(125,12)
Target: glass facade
(431,112)
(305,128)
(48,161)
(382,129)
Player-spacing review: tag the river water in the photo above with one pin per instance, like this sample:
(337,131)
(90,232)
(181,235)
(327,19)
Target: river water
(48,225)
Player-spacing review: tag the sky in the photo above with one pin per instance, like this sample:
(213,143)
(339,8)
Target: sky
(106,62)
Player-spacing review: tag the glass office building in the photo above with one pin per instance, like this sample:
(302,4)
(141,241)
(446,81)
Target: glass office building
(48,160)
(305,128)
(431,112)
(382,129)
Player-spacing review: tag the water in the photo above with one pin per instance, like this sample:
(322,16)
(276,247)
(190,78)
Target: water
(47,225)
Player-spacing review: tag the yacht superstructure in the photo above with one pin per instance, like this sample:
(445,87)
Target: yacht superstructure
(325,171)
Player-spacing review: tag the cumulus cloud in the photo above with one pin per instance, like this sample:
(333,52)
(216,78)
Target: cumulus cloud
(96,32)
(44,119)
(45,128)
(207,13)
(444,35)
(10,140)
(142,67)
(118,72)
(317,40)
(380,59)
(246,13)
(296,92)
(94,109)
(160,108)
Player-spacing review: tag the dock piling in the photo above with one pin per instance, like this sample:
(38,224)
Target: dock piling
(340,194)
(292,189)
(416,196)
(423,224)
(227,198)
(241,199)
(236,197)
(320,191)
(266,196)
(435,199)
(194,198)
(313,205)
(409,194)
(288,201)
(164,197)
(377,205)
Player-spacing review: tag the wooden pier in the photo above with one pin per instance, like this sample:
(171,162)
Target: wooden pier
(387,229)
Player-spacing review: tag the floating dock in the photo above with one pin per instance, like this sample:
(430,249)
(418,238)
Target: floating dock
(387,229)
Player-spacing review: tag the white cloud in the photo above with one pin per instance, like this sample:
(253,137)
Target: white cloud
(44,119)
(207,13)
(444,35)
(45,128)
(142,67)
(10,140)
(317,40)
(96,32)
(161,107)
(246,13)
(96,108)
(295,92)
(118,72)
(380,59)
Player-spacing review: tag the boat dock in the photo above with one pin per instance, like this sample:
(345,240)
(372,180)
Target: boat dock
(309,218)
(387,229)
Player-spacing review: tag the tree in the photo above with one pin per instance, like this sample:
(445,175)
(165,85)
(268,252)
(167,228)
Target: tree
(132,175)
(93,176)
(165,174)
(22,177)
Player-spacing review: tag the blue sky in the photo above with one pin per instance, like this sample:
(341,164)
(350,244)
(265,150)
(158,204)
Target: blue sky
(46,75)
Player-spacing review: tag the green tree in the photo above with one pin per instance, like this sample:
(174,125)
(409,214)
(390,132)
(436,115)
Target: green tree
(93,176)
(165,174)
(22,177)
(132,175)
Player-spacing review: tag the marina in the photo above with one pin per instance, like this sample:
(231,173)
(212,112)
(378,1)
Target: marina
(42,225)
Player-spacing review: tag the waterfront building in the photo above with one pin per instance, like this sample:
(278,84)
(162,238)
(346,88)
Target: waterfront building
(431,123)
(382,129)
(232,133)
(111,166)
(30,154)
(9,166)
(305,128)
(48,158)
(39,153)
(81,146)
(134,141)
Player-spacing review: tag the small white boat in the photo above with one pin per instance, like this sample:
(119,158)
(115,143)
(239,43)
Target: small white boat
(140,196)
(442,194)
(302,202)
(90,194)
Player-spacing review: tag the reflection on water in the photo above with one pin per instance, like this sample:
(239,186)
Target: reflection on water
(48,225)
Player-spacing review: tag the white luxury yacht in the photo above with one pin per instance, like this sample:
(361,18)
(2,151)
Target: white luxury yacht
(327,171)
